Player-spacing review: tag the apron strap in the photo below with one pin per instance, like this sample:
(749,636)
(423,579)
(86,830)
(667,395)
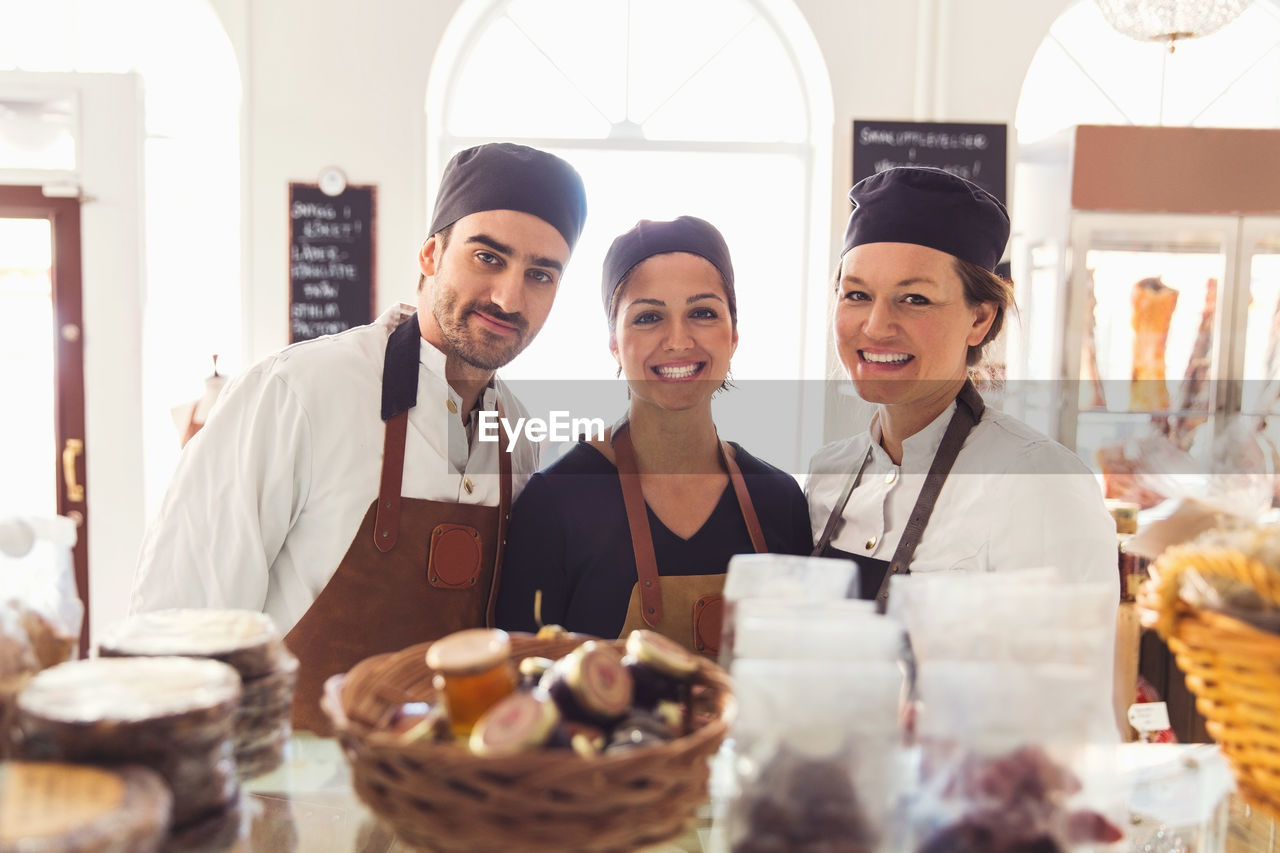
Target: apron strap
(504,516)
(837,511)
(969,408)
(638,521)
(744,499)
(638,518)
(386,525)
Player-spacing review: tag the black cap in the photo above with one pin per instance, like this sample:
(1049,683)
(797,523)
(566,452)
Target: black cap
(506,176)
(928,207)
(648,238)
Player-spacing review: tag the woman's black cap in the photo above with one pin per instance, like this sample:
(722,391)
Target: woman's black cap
(506,176)
(648,238)
(928,207)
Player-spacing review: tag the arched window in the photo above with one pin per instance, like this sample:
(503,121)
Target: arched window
(1087,73)
(192,261)
(719,109)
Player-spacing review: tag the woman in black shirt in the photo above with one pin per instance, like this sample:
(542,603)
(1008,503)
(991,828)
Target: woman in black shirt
(636,531)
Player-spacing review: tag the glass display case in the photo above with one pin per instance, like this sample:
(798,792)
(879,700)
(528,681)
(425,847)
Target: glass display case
(1148,340)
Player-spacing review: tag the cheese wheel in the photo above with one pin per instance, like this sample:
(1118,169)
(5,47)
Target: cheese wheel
(172,715)
(201,782)
(214,832)
(245,639)
(262,758)
(270,692)
(67,808)
(115,708)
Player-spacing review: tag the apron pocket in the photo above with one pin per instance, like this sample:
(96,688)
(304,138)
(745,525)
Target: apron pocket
(708,623)
(453,560)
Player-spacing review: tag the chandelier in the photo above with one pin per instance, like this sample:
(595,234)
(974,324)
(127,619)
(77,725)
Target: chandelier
(1170,20)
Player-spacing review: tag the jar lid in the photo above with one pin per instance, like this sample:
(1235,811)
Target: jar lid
(599,681)
(521,722)
(661,653)
(472,650)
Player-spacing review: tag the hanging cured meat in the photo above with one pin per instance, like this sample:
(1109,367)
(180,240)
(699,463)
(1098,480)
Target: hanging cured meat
(1153,304)
(1193,395)
(1091,393)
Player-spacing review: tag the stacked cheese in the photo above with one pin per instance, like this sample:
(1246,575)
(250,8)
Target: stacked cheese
(66,808)
(170,714)
(246,640)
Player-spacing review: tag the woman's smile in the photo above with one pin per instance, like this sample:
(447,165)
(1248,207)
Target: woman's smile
(681,371)
(881,358)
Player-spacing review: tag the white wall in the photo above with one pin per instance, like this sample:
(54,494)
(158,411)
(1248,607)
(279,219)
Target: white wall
(329,82)
(365,115)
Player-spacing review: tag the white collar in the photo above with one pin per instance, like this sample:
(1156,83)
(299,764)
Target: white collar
(432,358)
(918,449)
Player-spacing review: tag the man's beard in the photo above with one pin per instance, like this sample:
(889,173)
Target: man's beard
(479,347)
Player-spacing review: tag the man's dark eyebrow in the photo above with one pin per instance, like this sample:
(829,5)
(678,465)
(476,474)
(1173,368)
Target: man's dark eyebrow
(503,248)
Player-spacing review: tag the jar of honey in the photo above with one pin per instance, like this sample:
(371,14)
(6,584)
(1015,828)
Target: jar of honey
(473,672)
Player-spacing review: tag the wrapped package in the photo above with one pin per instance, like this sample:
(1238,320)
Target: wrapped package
(779,578)
(40,612)
(1008,762)
(37,577)
(1025,617)
(817,759)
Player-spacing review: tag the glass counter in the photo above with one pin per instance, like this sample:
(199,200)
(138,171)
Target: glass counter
(308,805)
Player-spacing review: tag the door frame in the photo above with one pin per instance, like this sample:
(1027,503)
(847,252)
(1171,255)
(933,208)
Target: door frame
(107,182)
(69,467)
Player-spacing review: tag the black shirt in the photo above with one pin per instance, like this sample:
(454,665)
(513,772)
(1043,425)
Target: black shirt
(569,538)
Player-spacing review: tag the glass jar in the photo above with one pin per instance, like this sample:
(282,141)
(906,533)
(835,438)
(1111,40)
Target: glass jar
(473,672)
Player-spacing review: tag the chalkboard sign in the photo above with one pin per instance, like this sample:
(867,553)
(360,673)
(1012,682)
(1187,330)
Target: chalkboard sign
(330,260)
(972,151)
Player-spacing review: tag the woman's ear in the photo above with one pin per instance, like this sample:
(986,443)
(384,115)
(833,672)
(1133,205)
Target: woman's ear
(984,314)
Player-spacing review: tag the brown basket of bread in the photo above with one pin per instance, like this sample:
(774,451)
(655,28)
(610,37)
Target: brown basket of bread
(1216,602)
(455,795)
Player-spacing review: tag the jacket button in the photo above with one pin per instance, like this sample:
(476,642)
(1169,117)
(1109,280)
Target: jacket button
(467,485)
(451,406)
(891,476)
(871,543)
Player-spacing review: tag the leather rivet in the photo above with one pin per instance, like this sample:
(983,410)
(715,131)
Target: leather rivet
(385,534)
(650,610)
(387,504)
(473,581)
(648,583)
(475,534)
(701,603)
(434,578)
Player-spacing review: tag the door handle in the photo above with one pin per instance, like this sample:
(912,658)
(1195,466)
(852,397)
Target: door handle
(70,450)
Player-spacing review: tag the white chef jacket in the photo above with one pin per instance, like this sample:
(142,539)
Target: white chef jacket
(269,494)
(1014,499)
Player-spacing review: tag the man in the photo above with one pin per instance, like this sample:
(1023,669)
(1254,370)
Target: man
(340,485)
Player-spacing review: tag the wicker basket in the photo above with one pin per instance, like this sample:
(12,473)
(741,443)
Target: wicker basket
(440,797)
(1232,668)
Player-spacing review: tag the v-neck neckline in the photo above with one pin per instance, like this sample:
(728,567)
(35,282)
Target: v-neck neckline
(653,515)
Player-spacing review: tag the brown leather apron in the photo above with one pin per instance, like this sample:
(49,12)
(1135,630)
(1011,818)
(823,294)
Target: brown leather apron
(687,608)
(969,408)
(389,593)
